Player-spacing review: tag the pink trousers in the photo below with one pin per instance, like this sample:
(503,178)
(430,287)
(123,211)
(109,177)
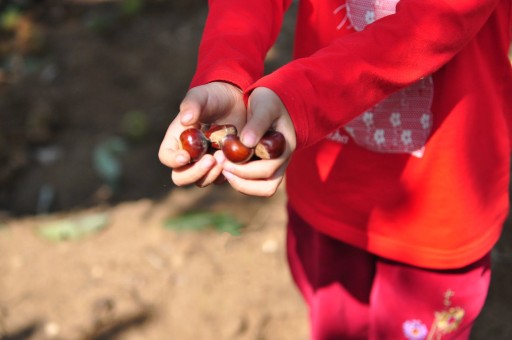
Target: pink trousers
(352,294)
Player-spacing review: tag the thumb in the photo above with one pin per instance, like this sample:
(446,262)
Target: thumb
(262,113)
(192,106)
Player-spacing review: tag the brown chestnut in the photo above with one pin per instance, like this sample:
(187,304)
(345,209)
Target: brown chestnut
(234,150)
(217,132)
(194,142)
(271,145)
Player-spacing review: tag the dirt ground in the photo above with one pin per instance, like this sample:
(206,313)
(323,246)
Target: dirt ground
(87,88)
(139,280)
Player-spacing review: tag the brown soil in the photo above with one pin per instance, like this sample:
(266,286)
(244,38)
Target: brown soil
(60,101)
(139,280)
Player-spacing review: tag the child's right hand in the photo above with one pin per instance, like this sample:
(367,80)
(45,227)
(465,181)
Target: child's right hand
(263,177)
(215,102)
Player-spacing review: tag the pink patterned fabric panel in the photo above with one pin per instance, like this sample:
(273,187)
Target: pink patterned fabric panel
(402,122)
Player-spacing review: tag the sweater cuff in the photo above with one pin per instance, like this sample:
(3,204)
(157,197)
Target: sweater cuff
(230,75)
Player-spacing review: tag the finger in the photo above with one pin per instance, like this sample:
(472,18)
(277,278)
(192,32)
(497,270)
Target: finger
(262,188)
(192,106)
(193,172)
(173,158)
(221,159)
(208,103)
(212,176)
(262,113)
(171,155)
(260,169)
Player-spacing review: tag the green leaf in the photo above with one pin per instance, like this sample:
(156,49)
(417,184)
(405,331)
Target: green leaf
(135,124)
(221,222)
(10,19)
(107,160)
(73,228)
(132,7)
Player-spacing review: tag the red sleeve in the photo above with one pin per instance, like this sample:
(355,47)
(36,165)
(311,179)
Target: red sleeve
(236,38)
(332,86)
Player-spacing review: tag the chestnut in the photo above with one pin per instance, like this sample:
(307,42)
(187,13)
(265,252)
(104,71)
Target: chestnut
(216,133)
(234,150)
(271,145)
(194,142)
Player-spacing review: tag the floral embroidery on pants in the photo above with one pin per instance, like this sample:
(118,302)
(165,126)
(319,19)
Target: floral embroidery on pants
(415,330)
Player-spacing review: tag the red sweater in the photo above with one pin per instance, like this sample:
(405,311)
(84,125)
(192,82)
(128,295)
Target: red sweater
(443,209)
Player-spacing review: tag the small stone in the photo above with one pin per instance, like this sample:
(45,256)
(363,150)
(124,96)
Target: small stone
(51,329)
(269,246)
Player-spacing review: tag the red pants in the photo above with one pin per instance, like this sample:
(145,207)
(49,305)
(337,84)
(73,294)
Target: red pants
(352,294)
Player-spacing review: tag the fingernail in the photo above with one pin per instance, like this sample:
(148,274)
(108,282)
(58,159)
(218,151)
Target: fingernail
(186,116)
(249,139)
(207,163)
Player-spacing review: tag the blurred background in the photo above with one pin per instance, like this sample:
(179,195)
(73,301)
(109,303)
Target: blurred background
(95,242)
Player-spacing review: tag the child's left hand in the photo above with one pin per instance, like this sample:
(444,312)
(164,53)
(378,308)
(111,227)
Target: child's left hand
(262,177)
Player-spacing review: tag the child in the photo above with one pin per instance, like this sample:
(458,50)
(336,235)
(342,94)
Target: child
(397,119)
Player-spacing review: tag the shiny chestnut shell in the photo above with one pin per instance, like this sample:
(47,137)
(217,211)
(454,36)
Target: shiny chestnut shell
(271,145)
(216,133)
(194,142)
(234,150)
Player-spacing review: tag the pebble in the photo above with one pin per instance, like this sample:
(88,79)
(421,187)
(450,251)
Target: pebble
(269,246)
(51,329)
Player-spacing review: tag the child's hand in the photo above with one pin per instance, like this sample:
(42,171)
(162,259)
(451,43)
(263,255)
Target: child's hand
(262,178)
(214,102)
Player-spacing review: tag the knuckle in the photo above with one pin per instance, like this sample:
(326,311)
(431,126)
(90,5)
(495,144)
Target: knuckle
(268,172)
(268,192)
